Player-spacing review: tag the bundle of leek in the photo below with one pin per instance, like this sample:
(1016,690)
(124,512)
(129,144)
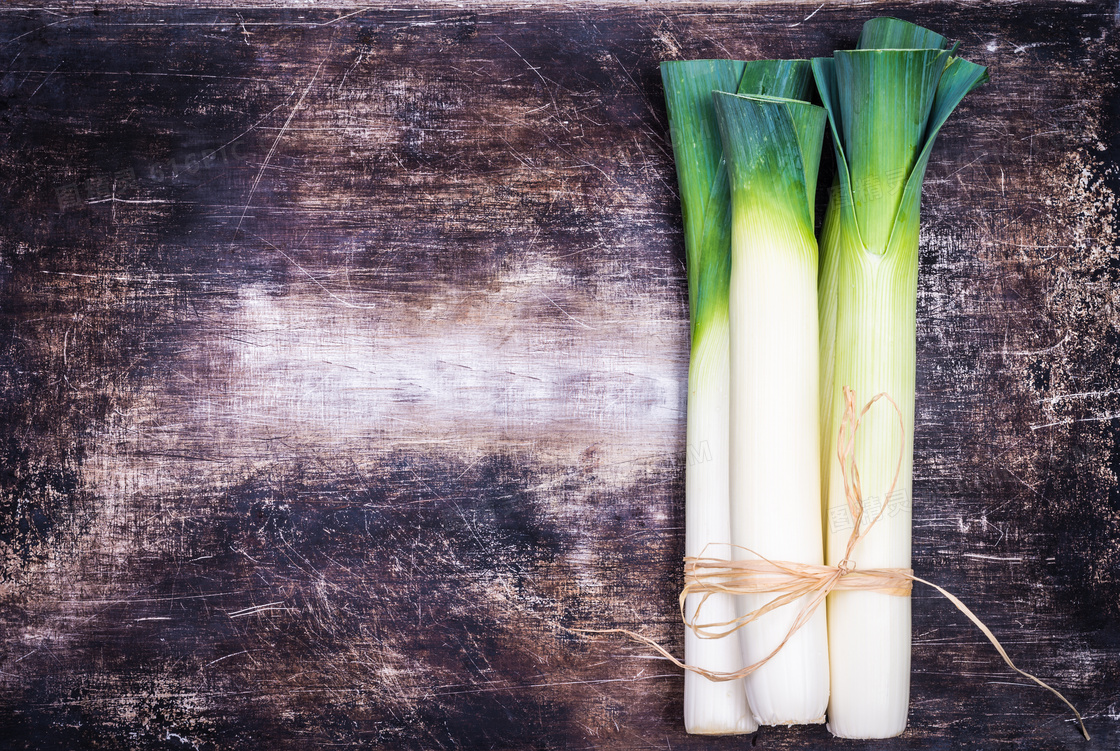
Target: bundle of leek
(712,708)
(886,102)
(772,338)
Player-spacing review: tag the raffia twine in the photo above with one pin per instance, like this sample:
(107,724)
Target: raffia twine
(792,581)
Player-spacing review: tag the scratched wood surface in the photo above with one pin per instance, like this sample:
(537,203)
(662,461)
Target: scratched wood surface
(343,359)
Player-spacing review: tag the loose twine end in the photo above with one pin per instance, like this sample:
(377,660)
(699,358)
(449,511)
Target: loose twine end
(791,581)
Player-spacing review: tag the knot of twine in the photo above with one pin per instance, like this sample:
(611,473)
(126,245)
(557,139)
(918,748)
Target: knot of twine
(792,581)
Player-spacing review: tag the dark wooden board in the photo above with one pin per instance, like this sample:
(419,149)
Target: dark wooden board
(343,359)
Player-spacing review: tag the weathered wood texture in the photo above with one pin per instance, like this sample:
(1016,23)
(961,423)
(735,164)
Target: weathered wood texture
(343,367)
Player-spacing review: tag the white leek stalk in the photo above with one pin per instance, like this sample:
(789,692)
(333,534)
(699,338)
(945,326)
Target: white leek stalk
(711,708)
(772,147)
(886,102)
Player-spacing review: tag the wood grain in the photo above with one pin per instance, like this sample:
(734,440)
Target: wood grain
(343,359)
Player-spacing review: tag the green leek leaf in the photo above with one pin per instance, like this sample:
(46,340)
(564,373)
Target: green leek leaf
(701,171)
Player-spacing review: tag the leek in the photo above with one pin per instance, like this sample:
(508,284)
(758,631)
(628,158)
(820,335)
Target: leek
(711,707)
(886,102)
(773,147)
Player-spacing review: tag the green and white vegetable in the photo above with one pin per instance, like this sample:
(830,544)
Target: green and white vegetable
(773,147)
(886,102)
